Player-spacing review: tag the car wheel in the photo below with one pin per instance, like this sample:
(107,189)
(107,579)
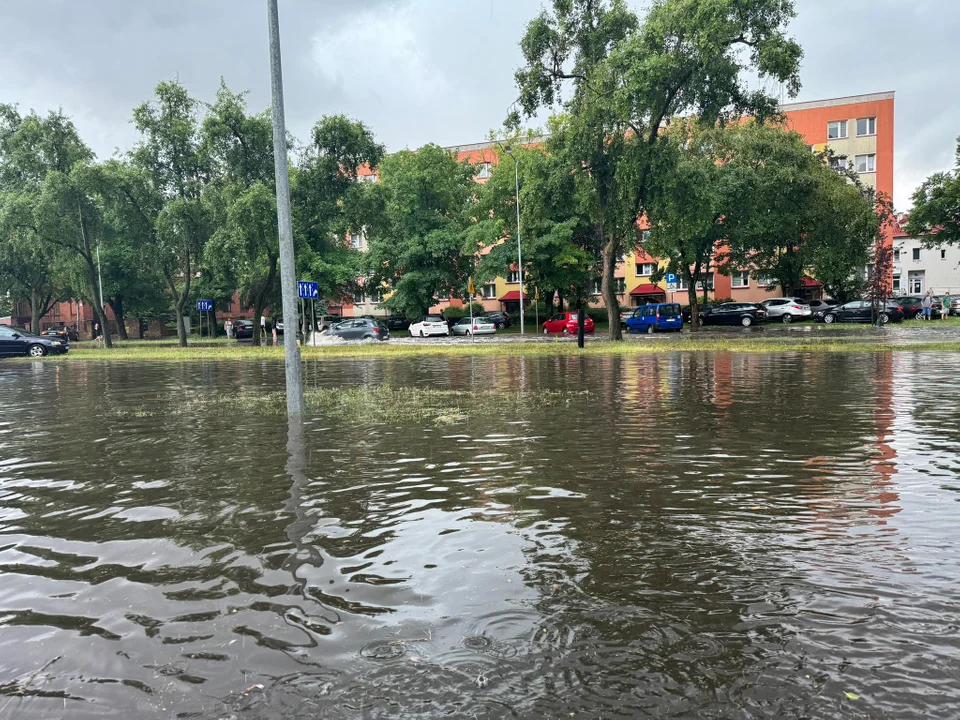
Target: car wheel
(787,318)
(746,321)
(546,332)
(36,351)
(422,334)
(829,318)
(919,315)
(884,318)
(566,331)
(651,329)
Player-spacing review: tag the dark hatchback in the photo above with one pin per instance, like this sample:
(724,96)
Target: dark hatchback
(912,306)
(743,314)
(859,311)
(243,329)
(360,329)
(397,323)
(14,341)
(500,319)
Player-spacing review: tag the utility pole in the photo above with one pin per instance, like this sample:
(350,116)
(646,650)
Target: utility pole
(288,267)
(516,175)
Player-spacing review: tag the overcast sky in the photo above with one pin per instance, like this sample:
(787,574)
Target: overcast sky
(420,71)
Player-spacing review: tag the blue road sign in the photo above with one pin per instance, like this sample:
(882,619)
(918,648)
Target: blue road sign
(308,290)
(205,305)
(671,278)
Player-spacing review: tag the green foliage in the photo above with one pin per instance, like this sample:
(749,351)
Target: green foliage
(419,215)
(688,57)
(936,207)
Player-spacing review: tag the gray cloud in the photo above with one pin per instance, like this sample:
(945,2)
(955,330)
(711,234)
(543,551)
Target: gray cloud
(427,70)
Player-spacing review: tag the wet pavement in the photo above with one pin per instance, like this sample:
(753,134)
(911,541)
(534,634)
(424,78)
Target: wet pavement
(680,535)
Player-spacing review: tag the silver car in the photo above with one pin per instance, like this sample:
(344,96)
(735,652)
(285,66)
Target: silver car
(787,309)
(479,326)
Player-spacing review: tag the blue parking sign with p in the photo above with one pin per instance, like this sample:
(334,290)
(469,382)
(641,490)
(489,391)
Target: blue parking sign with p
(671,278)
(308,290)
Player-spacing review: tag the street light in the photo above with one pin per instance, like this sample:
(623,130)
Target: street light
(516,175)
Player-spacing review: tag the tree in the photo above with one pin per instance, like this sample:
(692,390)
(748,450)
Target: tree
(556,230)
(935,216)
(629,79)
(791,213)
(31,272)
(244,249)
(329,204)
(169,152)
(420,212)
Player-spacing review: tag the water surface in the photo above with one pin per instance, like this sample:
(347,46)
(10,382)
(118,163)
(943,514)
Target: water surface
(689,535)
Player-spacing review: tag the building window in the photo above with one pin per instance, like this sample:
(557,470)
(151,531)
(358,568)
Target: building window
(708,279)
(838,162)
(867,126)
(866,163)
(896,255)
(356,241)
(514,277)
(766,281)
(358,297)
(837,130)
(367,178)
(489,291)
(619,286)
(644,269)
(943,254)
(916,253)
(740,279)
(485,170)
(896,283)
(596,286)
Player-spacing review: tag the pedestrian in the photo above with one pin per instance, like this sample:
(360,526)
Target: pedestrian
(97,334)
(228,328)
(927,306)
(945,309)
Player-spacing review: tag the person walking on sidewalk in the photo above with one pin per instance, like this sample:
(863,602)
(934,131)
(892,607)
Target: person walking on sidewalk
(945,310)
(927,306)
(228,328)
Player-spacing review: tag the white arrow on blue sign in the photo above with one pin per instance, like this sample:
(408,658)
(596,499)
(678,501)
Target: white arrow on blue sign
(204,305)
(308,290)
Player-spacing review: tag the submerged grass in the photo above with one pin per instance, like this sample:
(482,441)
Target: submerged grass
(153,352)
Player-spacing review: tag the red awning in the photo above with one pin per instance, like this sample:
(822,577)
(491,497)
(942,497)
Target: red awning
(809,282)
(512,295)
(648,289)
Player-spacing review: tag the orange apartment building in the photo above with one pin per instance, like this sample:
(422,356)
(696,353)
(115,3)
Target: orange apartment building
(858,128)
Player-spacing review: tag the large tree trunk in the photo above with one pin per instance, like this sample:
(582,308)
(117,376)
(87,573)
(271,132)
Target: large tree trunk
(34,312)
(611,248)
(689,278)
(116,304)
(260,300)
(581,320)
(93,279)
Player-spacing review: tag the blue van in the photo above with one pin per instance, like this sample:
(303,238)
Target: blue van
(652,318)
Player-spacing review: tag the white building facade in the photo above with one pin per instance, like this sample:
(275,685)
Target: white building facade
(917,268)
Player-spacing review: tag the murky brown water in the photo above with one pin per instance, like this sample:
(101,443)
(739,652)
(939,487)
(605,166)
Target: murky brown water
(696,536)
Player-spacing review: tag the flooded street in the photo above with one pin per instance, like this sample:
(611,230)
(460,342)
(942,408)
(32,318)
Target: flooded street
(687,535)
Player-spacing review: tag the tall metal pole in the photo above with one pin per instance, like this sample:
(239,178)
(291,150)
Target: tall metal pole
(288,269)
(516,174)
(100,277)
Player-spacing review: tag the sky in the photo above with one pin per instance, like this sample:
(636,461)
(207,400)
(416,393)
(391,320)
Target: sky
(419,71)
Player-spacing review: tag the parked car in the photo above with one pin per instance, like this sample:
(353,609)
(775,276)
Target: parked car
(500,319)
(625,314)
(651,318)
(479,326)
(360,329)
(243,329)
(859,311)
(787,309)
(397,323)
(326,321)
(429,325)
(16,341)
(566,323)
(912,306)
(817,305)
(955,305)
(745,314)
(61,331)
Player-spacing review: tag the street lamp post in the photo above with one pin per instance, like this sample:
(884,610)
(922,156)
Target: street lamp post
(516,175)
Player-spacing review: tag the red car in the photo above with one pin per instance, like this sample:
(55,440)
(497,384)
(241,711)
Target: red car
(566,323)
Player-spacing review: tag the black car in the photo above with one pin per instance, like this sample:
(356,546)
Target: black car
(500,319)
(61,331)
(859,311)
(685,311)
(732,313)
(14,341)
(912,306)
(243,329)
(360,329)
(397,323)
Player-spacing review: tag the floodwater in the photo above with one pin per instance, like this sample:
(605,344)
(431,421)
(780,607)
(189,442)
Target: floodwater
(688,535)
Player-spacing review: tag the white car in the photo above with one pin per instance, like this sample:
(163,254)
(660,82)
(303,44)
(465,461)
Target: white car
(479,326)
(429,325)
(787,309)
